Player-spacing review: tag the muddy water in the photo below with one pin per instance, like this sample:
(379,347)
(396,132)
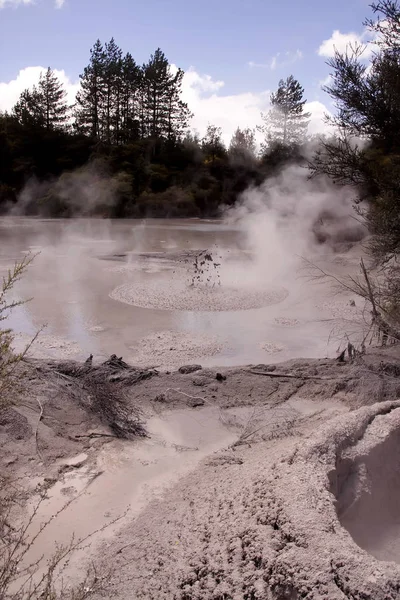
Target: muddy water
(96,498)
(81,262)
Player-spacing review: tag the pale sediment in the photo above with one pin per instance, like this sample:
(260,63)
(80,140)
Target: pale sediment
(174,296)
(173,348)
(263,522)
(272,347)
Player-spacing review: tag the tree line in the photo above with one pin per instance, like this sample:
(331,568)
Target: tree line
(130,124)
(120,102)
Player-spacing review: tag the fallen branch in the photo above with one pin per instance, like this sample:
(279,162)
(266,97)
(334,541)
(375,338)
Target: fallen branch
(96,435)
(369,287)
(289,375)
(187,395)
(37,427)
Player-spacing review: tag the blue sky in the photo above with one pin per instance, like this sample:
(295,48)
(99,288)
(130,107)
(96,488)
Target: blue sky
(247,44)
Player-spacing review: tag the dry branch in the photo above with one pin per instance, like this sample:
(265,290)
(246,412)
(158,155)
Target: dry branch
(37,427)
(288,375)
(103,389)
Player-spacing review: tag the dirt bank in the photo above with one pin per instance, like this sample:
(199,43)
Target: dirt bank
(264,481)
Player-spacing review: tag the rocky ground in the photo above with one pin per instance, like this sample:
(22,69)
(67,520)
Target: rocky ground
(301,503)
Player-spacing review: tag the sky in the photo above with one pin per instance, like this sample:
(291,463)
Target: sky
(233,52)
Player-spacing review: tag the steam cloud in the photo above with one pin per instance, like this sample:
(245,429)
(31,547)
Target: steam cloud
(290,216)
(89,190)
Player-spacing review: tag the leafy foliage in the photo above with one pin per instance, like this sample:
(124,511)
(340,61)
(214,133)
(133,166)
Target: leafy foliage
(242,147)
(366,151)
(9,360)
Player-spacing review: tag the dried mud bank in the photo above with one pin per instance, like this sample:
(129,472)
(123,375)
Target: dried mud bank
(262,523)
(302,502)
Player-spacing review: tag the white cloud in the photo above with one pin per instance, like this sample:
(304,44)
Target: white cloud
(317,120)
(326,81)
(343,41)
(279,60)
(283,60)
(202,83)
(27,78)
(230,111)
(204,95)
(254,65)
(13,3)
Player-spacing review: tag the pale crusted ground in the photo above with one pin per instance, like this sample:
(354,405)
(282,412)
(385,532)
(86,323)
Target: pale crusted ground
(259,521)
(178,296)
(315,452)
(174,347)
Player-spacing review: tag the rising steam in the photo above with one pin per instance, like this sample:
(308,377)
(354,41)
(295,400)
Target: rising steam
(290,216)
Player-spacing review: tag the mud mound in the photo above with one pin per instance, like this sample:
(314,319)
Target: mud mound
(342,309)
(173,296)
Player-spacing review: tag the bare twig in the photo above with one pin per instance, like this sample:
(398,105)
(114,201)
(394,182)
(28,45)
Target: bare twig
(289,375)
(37,427)
(97,435)
(370,294)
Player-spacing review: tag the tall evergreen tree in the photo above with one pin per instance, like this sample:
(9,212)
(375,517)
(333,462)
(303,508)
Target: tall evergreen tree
(131,78)
(90,98)
(286,122)
(164,114)
(367,102)
(178,113)
(28,110)
(111,113)
(52,99)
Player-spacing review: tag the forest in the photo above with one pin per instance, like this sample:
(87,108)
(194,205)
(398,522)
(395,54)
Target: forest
(125,148)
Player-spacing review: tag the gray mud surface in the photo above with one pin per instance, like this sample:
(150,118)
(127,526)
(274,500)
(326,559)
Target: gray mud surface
(261,481)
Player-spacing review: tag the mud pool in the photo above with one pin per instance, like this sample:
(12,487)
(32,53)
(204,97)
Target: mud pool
(96,498)
(121,287)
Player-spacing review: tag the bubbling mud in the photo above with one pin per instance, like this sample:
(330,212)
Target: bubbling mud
(272,347)
(180,297)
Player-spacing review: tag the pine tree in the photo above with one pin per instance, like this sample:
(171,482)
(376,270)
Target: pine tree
(90,98)
(243,144)
(28,110)
(52,98)
(131,76)
(111,115)
(163,113)
(178,113)
(154,89)
(286,122)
